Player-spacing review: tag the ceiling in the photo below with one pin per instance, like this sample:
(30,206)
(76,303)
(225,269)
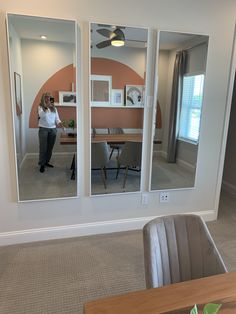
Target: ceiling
(58,30)
(31,27)
(174,40)
(134,37)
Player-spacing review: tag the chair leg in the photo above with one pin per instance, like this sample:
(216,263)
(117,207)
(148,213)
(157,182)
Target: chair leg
(105,172)
(72,167)
(111,153)
(125,177)
(103,178)
(118,170)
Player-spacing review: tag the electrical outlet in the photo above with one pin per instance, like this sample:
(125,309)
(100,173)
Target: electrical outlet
(144,199)
(164,197)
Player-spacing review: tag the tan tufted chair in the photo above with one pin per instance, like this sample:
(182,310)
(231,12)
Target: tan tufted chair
(179,248)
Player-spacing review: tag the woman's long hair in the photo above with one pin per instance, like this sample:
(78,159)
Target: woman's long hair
(43,103)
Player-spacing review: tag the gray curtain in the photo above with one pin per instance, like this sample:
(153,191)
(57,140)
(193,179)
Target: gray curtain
(179,70)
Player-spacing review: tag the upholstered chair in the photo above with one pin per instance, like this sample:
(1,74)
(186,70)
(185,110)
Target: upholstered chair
(130,158)
(100,158)
(117,147)
(179,248)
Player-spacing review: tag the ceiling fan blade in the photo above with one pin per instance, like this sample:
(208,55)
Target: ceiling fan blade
(118,32)
(103,44)
(104,32)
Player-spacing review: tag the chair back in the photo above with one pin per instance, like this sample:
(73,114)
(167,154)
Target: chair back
(115,131)
(131,154)
(99,155)
(179,248)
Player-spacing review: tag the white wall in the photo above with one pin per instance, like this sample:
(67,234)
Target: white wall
(40,60)
(16,66)
(91,214)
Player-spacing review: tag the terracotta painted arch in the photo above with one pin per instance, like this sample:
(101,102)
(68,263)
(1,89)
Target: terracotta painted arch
(60,81)
(121,74)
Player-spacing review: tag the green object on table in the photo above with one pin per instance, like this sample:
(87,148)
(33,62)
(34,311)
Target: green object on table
(209,308)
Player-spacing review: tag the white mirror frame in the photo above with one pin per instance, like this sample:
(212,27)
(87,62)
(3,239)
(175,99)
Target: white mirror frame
(78,102)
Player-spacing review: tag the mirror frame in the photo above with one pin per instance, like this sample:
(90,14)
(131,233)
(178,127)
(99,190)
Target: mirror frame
(145,107)
(77,38)
(155,109)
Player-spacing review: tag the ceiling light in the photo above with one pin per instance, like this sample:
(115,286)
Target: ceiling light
(117,41)
(43,36)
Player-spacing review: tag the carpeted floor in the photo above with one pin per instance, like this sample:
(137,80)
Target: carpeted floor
(60,276)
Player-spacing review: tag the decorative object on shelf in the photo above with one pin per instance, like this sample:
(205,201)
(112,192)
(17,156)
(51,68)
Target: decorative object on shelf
(18,95)
(117,97)
(209,308)
(134,95)
(67,98)
(101,90)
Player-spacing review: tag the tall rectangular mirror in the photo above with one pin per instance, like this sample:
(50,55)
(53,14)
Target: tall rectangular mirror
(42,58)
(118,69)
(182,62)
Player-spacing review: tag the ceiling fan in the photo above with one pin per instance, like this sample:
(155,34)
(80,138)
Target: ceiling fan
(116,37)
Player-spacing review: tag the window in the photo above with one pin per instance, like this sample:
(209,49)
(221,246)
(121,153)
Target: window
(191,106)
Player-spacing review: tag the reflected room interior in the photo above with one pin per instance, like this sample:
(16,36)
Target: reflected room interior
(118,68)
(181,72)
(42,59)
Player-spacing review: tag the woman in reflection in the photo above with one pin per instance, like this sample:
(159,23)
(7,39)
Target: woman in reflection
(48,122)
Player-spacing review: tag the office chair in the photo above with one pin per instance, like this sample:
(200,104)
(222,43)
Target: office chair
(179,248)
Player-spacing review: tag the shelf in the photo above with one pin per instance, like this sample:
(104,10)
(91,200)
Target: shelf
(57,104)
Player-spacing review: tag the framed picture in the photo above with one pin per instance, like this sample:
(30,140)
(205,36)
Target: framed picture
(101,90)
(18,95)
(117,97)
(134,95)
(67,98)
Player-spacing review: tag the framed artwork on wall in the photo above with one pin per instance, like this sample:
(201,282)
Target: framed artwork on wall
(134,95)
(117,97)
(18,95)
(101,90)
(67,98)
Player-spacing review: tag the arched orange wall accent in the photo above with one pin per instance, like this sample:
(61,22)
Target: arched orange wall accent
(116,117)
(60,81)
(121,74)
(130,118)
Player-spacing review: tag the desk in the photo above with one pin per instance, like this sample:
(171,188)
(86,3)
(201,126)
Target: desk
(109,138)
(174,299)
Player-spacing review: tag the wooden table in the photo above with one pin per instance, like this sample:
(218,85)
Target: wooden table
(109,138)
(177,298)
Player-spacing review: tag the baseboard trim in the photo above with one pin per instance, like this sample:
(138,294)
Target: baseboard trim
(228,187)
(182,163)
(86,229)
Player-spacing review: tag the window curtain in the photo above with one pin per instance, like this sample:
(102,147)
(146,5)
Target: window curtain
(179,70)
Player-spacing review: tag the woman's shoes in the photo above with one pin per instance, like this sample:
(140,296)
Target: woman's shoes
(42,169)
(49,165)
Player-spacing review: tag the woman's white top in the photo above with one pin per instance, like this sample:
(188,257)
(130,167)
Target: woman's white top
(48,118)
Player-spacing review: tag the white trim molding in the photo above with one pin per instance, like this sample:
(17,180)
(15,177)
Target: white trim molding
(70,231)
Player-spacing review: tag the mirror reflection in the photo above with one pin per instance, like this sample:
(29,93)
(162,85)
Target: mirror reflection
(42,70)
(181,74)
(118,67)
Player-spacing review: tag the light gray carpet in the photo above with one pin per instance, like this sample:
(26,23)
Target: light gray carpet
(60,276)
(54,182)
